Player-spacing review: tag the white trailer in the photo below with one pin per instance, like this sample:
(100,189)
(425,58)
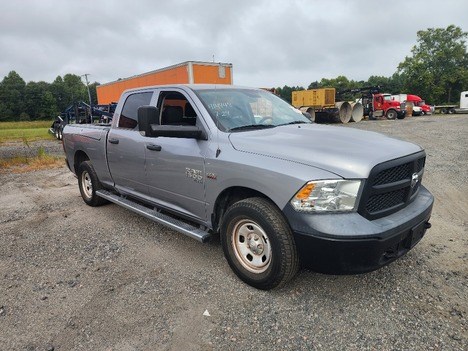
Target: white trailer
(451,109)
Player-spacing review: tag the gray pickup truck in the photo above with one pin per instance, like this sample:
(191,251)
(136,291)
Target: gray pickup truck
(242,163)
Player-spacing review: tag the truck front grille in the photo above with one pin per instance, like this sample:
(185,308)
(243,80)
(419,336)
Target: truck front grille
(391,186)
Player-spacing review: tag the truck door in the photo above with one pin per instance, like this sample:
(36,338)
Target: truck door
(378,106)
(126,148)
(176,166)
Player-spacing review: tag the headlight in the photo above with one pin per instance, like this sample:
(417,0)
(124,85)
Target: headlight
(327,196)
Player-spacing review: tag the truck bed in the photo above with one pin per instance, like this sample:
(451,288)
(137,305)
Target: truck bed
(89,137)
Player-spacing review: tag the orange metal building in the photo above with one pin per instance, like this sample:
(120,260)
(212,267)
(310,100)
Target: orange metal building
(190,72)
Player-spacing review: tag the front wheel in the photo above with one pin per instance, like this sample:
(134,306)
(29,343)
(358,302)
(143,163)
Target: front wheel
(89,183)
(391,114)
(258,243)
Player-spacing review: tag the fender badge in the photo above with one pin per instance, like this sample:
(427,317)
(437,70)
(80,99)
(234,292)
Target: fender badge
(211,176)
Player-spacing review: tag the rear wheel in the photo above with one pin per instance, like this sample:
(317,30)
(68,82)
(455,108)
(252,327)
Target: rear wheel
(391,114)
(258,243)
(89,183)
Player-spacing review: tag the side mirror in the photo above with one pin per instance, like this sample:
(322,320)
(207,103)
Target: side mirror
(147,115)
(171,131)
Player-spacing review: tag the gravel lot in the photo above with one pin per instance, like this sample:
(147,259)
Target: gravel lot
(80,278)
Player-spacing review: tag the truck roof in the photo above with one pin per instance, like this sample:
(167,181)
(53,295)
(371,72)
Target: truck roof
(194,87)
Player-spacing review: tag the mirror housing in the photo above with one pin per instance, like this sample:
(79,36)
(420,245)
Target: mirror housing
(147,115)
(171,131)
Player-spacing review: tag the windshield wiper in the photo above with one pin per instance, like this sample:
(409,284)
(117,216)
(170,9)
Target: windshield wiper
(294,122)
(253,126)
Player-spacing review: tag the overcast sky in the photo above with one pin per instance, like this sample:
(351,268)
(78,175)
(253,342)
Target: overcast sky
(269,42)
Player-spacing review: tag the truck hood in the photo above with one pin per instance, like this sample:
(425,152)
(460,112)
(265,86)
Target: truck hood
(347,152)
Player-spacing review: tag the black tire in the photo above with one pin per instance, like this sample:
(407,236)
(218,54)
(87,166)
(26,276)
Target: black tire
(258,244)
(401,116)
(89,183)
(451,111)
(391,114)
(56,133)
(60,133)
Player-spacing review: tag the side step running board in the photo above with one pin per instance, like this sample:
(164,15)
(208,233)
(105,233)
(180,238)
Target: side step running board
(164,219)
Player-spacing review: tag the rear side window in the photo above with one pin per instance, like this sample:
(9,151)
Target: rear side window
(129,116)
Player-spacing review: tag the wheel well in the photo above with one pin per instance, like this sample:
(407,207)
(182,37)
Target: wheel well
(227,198)
(80,156)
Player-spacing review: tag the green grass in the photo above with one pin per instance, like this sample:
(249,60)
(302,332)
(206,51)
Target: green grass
(25,131)
(25,125)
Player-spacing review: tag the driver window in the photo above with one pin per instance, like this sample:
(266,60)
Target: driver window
(176,109)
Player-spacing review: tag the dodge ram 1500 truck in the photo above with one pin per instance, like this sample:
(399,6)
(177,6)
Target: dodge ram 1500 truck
(242,163)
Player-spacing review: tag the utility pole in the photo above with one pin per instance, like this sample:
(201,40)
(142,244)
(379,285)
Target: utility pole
(89,96)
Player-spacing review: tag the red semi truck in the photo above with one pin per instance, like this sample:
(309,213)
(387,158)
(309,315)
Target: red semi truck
(377,104)
(416,100)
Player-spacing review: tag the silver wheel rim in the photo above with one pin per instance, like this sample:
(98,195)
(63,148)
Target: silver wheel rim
(251,246)
(87,184)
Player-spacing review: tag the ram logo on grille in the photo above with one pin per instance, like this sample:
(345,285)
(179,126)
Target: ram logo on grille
(414,180)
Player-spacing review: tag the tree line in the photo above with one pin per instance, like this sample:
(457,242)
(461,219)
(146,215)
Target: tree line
(21,101)
(436,70)
(343,85)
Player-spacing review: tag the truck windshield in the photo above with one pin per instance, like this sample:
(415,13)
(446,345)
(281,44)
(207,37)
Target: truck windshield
(247,109)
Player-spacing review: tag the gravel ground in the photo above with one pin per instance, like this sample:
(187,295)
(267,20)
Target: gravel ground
(80,278)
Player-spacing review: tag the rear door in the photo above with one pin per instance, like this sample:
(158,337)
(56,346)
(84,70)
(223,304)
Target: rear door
(126,147)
